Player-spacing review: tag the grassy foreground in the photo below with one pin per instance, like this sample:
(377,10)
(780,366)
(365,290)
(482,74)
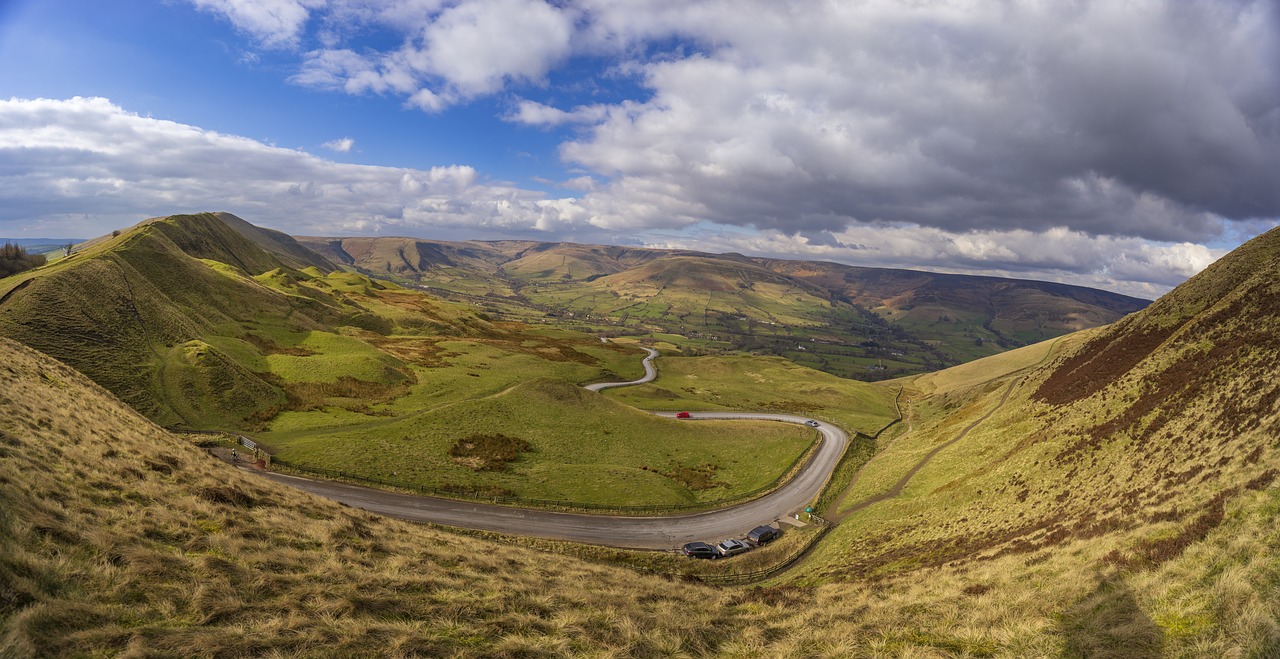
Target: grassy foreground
(119,538)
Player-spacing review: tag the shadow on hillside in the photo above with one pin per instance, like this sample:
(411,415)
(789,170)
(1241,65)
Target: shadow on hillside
(1109,623)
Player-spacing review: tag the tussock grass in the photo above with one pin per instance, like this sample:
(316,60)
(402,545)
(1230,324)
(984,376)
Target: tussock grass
(116,537)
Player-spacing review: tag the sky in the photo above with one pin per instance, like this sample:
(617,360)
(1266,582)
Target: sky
(1123,145)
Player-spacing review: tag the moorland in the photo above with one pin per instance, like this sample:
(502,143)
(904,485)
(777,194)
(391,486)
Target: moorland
(1107,492)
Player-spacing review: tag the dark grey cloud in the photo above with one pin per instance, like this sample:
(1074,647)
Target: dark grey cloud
(1152,119)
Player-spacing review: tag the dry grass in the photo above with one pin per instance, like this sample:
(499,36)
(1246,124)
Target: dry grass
(118,538)
(1064,524)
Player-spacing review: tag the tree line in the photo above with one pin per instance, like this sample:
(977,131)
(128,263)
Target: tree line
(15,259)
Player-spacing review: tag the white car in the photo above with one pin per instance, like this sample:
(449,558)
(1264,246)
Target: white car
(811,423)
(730,547)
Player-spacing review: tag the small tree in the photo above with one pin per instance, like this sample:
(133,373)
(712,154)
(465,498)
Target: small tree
(15,259)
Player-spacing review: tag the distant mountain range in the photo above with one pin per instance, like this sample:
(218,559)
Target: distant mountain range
(867,323)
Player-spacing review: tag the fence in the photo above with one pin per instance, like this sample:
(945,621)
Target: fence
(739,578)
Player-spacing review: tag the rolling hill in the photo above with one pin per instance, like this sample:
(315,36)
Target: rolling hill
(864,323)
(195,320)
(1108,494)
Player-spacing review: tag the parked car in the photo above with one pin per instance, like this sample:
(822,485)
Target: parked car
(730,547)
(811,423)
(762,535)
(682,415)
(699,550)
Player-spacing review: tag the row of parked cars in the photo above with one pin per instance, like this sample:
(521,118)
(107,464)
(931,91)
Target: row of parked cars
(760,535)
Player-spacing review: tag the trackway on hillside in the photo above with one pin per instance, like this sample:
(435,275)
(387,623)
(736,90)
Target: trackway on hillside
(665,532)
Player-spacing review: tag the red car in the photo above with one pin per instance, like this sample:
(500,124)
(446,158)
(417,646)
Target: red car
(682,415)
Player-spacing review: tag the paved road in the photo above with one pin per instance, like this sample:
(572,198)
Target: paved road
(666,532)
(650,373)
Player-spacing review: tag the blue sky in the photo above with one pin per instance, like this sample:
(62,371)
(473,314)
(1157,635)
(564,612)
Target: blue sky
(1117,145)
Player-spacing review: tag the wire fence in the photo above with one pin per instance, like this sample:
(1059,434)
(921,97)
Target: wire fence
(741,578)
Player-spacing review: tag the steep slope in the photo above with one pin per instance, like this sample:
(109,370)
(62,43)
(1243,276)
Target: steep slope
(1101,460)
(117,537)
(183,317)
(283,246)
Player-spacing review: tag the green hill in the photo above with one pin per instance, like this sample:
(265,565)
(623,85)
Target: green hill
(1120,481)
(118,538)
(196,320)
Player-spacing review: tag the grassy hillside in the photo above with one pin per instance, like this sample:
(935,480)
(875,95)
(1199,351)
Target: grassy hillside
(1112,494)
(863,323)
(119,538)
(1110,468)
(192,321)
(971,316)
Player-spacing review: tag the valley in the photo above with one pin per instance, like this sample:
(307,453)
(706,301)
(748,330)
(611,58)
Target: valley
(1106,492)
(862,323)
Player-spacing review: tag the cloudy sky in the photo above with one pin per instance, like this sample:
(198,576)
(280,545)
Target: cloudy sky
(1122,145)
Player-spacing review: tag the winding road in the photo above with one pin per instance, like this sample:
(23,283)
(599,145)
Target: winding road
(665,532)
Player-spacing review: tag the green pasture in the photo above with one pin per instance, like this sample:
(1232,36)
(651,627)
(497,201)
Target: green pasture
(762,383)
(586,448)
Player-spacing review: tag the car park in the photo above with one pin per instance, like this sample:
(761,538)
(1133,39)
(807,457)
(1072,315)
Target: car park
(811,423)
(762,535)
(700,550)
(731,547)
(682,415)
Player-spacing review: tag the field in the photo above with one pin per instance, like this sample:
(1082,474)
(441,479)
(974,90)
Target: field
(580,447)
(763,384)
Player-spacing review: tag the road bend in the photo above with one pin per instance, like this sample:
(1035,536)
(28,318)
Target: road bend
(659,532)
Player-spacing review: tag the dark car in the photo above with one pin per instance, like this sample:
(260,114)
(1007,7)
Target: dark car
(763,534)
(699,550)
(682,415)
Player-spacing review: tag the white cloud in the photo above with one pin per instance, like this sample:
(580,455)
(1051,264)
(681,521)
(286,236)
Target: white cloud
(1152,119)
(478,45)
(273,22)
(449,54)
(86,166)
(533,113)
(1157,118)
(340,145)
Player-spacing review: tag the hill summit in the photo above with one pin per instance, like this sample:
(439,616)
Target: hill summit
(184,316)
